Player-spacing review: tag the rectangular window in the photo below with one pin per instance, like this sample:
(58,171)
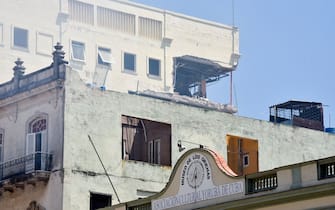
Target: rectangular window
(129,62)
(154,67)
(104,57)
(78,51)
(44,43)
(98,201)
(20,38)
(245,160)
(326,170)
(142,140)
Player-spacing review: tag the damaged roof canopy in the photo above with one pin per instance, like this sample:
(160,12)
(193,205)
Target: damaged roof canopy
(193,73)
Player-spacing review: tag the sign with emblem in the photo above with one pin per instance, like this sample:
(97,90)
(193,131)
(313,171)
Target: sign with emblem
(196,185)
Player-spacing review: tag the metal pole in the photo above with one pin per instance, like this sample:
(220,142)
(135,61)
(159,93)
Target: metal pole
(102,164)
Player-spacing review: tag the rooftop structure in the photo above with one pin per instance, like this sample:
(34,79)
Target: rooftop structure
(298,113)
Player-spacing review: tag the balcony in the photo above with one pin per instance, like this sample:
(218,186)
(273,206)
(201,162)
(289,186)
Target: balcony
(262,183)
(27,169)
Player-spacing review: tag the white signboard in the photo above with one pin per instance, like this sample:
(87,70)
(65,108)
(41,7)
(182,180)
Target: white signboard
(196,185)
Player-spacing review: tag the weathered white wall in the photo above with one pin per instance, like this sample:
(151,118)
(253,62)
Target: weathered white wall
(15,114)
(91,111)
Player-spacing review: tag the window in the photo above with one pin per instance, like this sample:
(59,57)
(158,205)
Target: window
(154,151)
(20,38)
(129,62)
(78,51)
(1,145)
(44,43)
(37,145)
(326,169)
(154,67)
(98,201)
(104,57)
(245,160)
(143,140)
(242,155)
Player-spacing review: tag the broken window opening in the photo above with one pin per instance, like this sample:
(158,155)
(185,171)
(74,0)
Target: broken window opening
(98,201)
(146,141)
(192,74)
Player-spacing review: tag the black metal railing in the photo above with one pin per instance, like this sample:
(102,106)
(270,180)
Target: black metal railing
(327,170)
(37,161)
(263,183)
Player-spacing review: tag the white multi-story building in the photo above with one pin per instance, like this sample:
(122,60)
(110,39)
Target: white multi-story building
(119,44)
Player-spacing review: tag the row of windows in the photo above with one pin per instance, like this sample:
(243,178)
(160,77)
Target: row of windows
(104,58)
(20,39)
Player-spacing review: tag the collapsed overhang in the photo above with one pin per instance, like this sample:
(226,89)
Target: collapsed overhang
(195,72)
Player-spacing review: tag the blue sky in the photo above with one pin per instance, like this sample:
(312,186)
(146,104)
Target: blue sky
(287,47)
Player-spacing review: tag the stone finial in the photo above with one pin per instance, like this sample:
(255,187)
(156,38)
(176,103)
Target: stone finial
(19,68)
(58,54)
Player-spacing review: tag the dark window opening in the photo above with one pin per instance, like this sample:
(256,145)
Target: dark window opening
(326,170)
(245,160)
(146,141)
(154,67)
(100,201)
(20,37)
(129,62)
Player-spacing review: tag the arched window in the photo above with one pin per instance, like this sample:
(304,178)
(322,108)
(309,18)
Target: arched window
(38,125)
(37,143)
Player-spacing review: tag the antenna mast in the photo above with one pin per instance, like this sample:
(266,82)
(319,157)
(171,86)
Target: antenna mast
(233,51)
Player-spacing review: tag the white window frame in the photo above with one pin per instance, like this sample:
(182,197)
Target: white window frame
(73,57)
(154,148)
(105,55)
(39,35)
(13,39)
(159,67)
(133,71)
(31,145)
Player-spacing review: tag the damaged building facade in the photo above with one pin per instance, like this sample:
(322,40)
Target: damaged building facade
(134,85)
(48,118)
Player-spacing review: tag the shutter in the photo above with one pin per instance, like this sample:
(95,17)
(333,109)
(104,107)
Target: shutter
(30,150)
(44,141)
(30,143)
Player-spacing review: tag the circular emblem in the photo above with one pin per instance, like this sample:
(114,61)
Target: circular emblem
(195,174)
